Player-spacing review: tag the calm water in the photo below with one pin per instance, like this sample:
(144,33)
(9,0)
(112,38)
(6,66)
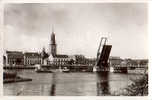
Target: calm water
(69,84)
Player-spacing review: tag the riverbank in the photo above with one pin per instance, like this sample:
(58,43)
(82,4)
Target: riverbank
(138,87)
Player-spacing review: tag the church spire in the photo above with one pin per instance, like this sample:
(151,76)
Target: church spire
(52,28)
(53,36)
(53,42)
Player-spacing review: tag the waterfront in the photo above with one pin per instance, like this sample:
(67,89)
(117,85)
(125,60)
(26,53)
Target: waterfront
(69,84)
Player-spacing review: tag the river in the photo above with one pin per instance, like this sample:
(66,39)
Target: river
(69,84)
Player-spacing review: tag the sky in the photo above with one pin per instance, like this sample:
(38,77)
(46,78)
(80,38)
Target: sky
(78,27)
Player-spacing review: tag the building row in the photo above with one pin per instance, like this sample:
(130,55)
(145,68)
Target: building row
(119,62)
(17,58)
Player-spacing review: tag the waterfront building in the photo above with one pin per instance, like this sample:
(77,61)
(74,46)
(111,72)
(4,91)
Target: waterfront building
(115,61)
(32,58)
(82,60)
(90,61)
(141,62)
(118,62)
(61,60)
(137,62)
(13,58)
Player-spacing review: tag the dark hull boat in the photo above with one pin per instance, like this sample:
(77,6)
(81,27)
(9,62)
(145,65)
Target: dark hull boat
(44,71)
(13,77)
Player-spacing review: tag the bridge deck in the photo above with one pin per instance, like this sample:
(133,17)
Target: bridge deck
(104,56)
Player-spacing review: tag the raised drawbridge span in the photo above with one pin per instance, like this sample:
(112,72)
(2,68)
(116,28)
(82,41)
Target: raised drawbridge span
(103,56)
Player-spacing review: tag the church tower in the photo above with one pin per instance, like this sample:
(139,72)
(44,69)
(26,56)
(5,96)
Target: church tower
(53,50)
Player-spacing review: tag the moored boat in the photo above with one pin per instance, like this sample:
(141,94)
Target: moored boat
(39,69)
(10,77)
(66,70)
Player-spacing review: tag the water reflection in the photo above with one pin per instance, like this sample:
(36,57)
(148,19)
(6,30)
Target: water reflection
(53,86)
(103,83)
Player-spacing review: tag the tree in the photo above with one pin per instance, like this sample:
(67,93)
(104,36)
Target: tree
(44,54)
(71,62)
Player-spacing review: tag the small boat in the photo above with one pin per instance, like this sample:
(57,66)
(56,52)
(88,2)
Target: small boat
(39,69)
(66,70)
(94,68)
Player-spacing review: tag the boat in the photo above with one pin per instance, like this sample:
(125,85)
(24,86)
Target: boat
(44,71)
(39,69)
(11,77)
(66,70)
(94,68)
(112,69)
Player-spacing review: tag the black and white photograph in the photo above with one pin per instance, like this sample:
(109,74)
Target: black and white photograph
(75,49)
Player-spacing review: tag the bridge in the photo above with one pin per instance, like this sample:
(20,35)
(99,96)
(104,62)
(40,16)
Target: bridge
(103,56)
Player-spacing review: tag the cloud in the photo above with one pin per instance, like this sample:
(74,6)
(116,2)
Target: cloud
(78,27)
